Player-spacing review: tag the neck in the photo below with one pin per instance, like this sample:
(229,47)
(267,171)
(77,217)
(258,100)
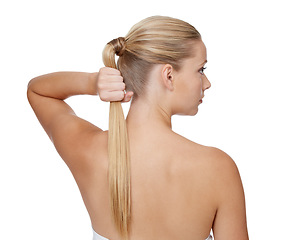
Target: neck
(145,114)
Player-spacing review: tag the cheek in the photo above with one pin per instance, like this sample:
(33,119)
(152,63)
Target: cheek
(196,87)
(188,94)
(199,81)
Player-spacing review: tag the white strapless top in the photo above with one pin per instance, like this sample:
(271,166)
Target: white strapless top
(96,236)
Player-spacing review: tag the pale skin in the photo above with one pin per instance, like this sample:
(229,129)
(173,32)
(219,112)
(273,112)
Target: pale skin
(180,189)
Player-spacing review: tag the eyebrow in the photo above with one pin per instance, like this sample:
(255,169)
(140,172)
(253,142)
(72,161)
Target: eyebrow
(204,62)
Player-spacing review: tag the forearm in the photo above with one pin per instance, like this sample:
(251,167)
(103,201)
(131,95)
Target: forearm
(61,85)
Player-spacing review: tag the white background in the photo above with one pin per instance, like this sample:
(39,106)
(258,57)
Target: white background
(249,112)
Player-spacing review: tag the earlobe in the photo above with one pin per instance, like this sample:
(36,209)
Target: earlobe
(170,82)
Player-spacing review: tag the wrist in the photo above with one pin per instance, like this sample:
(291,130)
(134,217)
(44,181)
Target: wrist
(93,83)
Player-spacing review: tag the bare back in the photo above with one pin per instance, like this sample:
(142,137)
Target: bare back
(172,188)
(180,189)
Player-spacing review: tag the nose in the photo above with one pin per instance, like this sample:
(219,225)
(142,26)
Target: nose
(206,83)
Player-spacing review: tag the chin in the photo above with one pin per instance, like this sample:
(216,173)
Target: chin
(191,112)
(194,112)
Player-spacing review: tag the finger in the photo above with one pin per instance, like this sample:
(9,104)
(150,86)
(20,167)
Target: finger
(110,71)
(110,78)
(112,96)
(111,86)
(128,96)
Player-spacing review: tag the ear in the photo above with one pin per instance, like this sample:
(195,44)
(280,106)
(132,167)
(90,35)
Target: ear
(167,76)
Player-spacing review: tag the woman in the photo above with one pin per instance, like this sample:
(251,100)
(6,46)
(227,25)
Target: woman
(141,180)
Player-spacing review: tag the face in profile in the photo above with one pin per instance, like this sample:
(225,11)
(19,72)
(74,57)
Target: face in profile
(190,81)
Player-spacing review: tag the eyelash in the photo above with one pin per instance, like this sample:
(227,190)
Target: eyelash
(202,69)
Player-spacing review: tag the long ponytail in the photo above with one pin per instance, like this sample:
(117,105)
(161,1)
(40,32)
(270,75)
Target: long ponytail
(118,152)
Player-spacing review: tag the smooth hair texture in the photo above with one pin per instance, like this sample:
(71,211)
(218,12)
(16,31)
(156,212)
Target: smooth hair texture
(154,40)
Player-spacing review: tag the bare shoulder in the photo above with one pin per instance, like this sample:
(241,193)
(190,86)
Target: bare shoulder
(213,156)
(217,164)
(221,160)
(220,167)
(213,160)
(226,168)
(223,168)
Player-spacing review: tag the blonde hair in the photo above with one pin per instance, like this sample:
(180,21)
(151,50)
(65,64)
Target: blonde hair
(154,40)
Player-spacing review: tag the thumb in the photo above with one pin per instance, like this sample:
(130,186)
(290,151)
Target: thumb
(128,96)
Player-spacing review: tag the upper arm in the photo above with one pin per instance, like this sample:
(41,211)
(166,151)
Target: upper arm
(72,136)
(230,220)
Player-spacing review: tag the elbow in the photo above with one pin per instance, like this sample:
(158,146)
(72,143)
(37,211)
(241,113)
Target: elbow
(30,89)
(29,86)
(29,92)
